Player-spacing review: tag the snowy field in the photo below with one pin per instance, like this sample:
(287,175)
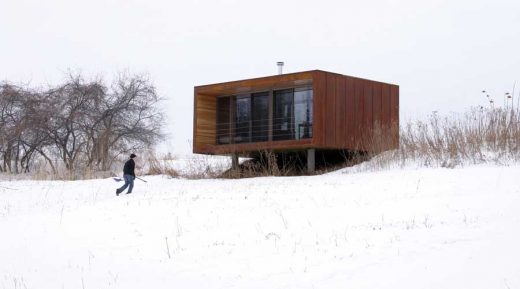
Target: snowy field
(403,228)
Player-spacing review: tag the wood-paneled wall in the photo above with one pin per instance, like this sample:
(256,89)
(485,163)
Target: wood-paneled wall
(204,121)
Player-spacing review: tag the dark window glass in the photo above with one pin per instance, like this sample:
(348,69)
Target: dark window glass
(260,111)
(243,119)
(283,119)
(303,112)
(223,118)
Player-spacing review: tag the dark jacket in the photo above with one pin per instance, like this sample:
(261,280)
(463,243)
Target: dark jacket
(129,168)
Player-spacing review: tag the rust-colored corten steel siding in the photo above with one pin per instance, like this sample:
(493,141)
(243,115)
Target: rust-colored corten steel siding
(354,113)
(348,113)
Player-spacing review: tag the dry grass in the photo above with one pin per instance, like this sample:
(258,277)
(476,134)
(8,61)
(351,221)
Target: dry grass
(160,167)
(265,164)
(478,136)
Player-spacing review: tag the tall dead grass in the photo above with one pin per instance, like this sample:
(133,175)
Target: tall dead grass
(266,163)
(480,135)
(477,136)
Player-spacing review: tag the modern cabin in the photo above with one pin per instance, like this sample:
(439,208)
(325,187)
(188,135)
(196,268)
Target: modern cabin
(304,111)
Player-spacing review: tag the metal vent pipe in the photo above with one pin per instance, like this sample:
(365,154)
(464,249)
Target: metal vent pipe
(280,67)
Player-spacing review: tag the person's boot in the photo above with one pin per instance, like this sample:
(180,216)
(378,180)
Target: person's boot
(117,192)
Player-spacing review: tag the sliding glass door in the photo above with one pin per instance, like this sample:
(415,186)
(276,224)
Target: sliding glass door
(283,118)
(223,120)
(243,119)
(260,112)
(303,113)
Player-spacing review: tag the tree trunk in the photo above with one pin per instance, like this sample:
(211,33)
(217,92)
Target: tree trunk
(48,160)
(105,150)
(7,160)
(17,158)
(25,161)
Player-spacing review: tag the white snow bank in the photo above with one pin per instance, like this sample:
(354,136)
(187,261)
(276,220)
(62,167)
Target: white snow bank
(412,228)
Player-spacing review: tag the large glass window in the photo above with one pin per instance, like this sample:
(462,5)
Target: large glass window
(223,118)
(246,118)
(303,112)
(243,119)
(283,124)
(260,111)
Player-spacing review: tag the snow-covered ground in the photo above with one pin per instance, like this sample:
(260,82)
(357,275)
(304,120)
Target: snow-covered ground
(402,228)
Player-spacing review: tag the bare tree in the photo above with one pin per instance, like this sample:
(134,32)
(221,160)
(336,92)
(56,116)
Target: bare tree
(12,125)
(83,123)
(130,119)
(35,138)
(72,102)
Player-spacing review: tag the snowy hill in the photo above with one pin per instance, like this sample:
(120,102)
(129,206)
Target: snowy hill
(409,228)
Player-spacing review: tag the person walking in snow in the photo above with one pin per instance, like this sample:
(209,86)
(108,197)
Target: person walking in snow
(128,175)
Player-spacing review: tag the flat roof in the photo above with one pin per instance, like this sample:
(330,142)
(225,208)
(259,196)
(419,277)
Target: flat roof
(266,82)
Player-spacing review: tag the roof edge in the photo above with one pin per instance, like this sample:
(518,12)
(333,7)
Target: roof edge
(292,73)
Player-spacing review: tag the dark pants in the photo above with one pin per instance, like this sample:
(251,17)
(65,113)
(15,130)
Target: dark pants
(129,182)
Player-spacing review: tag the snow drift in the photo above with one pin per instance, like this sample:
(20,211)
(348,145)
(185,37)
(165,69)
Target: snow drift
(403,228)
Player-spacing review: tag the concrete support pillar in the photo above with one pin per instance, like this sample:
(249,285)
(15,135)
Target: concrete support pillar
(234,161)
(311,160)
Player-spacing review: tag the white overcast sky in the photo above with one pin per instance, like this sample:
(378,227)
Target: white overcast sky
(440,53)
